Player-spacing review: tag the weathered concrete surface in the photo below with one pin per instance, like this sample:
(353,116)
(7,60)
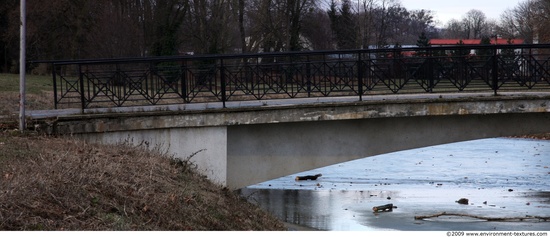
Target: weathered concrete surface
(243,146)
(109,122)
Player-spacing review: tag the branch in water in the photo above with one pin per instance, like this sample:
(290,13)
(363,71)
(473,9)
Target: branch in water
(485,218)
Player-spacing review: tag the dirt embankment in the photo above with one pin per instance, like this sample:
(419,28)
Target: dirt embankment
(50,183)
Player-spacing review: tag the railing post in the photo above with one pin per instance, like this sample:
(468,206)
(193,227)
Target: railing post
(54,86)
(184,81)
(222,78)
(430,73)
(360,76)
(81,81)
(308,76)
(495,70)
(150,83)
(118,87)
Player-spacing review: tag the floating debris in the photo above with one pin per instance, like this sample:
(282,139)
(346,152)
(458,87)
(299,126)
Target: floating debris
(308,177)
(463,201)
(384,208)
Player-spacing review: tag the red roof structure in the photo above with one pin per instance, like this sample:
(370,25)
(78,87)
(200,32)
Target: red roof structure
(448,42)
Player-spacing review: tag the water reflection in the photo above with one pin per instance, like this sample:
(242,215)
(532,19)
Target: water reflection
(321,209)
(501,178)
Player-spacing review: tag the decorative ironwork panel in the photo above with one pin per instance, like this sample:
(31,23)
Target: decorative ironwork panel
(222,78)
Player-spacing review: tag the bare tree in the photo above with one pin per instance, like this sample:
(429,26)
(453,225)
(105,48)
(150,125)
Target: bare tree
(385,22)
(54,29)
(491,29)
(8,51)
(519,22)
(542,20)
(277,25)
(119,30)
(316,28)
(382,21)
(366,18)
(454,30)
(211,26)
(238,9)
(475,24)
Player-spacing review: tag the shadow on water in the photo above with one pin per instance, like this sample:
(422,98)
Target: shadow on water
(291,206)
(316,209)
(544,197)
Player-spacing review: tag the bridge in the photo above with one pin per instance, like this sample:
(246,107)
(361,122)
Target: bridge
(244,119)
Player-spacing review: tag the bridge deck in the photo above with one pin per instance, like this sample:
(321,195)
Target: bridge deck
(45,114)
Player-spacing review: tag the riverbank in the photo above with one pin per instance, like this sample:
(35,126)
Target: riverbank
(52,183)
(542,136)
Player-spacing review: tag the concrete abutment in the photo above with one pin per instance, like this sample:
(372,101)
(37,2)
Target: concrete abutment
(206,147)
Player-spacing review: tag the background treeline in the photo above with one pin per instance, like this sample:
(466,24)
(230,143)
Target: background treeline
(77,29)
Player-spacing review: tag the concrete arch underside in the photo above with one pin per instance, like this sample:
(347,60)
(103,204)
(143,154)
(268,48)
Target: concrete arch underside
(260,152)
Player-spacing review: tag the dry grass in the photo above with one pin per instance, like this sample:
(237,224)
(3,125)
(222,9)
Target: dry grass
(39,96)
(50,183)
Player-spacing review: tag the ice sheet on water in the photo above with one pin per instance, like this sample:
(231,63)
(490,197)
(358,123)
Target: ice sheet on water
(504,172)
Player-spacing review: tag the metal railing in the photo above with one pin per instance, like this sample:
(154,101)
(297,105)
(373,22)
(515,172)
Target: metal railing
(222,78)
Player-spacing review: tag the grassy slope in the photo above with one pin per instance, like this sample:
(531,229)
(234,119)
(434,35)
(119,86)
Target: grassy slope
(59,183)
(39,96)
(50,183)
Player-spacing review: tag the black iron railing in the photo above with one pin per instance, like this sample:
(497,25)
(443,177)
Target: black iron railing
(222,78)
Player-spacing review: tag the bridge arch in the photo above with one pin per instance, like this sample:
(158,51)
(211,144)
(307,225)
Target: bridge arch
(249,145)
(264,152)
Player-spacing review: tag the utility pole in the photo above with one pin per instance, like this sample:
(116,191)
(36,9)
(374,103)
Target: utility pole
(22,66)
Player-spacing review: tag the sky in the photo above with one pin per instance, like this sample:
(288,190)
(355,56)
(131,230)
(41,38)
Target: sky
(445,10)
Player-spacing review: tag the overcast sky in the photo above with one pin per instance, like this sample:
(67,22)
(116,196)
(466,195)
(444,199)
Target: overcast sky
(445,10)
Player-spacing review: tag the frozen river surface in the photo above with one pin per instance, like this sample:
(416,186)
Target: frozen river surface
(500,177)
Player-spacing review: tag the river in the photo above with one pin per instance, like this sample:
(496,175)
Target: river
(500,177)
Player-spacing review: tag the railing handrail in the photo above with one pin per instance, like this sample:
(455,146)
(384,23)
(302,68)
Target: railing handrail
(280,54)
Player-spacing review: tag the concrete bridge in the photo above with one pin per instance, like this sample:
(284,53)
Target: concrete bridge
(248,118)
(243,143)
